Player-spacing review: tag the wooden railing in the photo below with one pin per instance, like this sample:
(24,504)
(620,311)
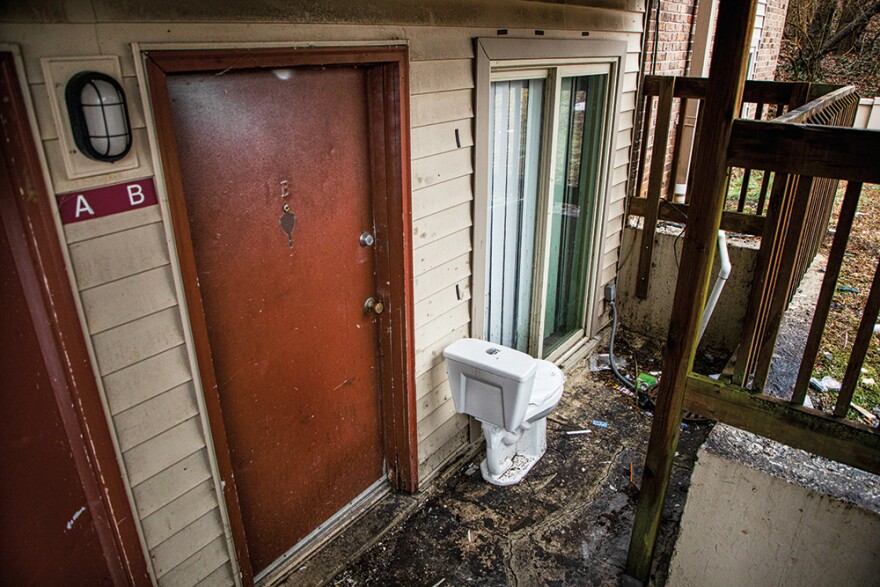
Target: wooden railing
(800,153)
(663,95)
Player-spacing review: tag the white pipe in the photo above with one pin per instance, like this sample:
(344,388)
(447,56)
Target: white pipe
(723,274)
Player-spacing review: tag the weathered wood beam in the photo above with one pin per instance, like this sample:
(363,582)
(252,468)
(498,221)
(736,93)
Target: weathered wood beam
(655,183)
(723,99)
(755,91)
(840,440)
(820,151)
(737,222)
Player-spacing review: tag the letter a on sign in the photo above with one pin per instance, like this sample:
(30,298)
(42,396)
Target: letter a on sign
(82,205)
(107,200)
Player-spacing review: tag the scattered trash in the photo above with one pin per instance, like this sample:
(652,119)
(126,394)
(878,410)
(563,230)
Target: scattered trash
(828,357)
(600,423)
(868,381)
(877,329)
(831,383)
(438,583)
(573,432)
(863,411)
(847,289)
(472,469)
(818,385)
(613,488)
(625,391)
(630,471)
(716,376)
(654,373)
(876,412)
(808,403)
(469,536)
(601,362)
(684,426)
(864,371)
(605,463)
(645,381)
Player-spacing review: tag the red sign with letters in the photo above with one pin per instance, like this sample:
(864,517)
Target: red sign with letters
(107,200)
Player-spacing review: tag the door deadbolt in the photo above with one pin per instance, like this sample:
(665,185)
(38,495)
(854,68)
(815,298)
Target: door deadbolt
(367,239)
(373,305)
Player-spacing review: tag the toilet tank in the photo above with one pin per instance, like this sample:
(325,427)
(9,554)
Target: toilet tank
(491,382)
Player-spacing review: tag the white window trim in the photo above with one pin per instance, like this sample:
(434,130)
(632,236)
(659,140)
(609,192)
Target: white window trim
(513,58)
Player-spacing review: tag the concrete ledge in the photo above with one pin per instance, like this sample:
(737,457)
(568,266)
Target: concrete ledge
(761,513)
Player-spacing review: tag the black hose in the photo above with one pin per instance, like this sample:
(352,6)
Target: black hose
(626,383)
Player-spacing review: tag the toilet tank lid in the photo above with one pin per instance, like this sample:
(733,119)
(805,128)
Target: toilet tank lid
(503,360)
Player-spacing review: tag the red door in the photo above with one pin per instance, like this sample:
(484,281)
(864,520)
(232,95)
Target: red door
(275,167)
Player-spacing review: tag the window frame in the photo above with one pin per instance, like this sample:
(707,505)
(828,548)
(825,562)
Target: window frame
(499,59)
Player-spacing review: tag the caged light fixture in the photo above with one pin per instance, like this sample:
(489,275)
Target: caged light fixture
(98,116)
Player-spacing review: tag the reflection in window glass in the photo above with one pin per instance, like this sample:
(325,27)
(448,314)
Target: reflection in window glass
(572,205)
(515,131)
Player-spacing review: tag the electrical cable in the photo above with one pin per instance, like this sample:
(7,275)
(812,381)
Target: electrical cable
(626,382)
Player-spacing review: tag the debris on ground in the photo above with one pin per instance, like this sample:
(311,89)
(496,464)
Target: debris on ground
(579,500)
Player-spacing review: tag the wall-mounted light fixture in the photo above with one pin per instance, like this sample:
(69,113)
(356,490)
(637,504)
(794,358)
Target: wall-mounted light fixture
(98,116)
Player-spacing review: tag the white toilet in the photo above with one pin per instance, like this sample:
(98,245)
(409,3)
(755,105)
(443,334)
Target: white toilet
(510,393)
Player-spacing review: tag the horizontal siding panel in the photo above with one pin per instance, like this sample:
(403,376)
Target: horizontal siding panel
(616,208)
(431,401)
(619,175)
(442,224)
(631,81)
(431,355)
(441,107)
(440,76)
(436,418)
(430,380)
(445,275)
(628,102)
(452,446)
(139,382)
(157,492)
(222,577)
(118,255)
(160,452)
(138,340)
(612,242)
(632,63)
(440,138)
(80,231)
(432,43)
(441,168)
(441,251)
(441,196)
(621,157)
(443,301)
(442,326)
(187,542)
(198,566)
(450,429)
(626,120)
(180,513)
(155,416)
(130,298)
(608,274)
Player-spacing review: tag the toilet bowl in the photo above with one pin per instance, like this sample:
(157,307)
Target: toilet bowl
(511,394)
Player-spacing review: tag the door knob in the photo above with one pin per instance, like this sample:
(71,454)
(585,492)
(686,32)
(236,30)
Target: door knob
(373,305)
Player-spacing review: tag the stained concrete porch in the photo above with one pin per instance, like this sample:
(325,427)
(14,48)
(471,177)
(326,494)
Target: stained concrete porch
(567,523)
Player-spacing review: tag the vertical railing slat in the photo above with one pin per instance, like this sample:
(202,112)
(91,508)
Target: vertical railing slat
(860,348)
(826,293)
(655,183)
(676,148)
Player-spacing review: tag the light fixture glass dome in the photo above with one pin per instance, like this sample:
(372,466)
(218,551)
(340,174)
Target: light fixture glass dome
(98,116)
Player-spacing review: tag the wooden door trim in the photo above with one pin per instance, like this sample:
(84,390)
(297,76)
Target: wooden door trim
(30,224)
(388,105)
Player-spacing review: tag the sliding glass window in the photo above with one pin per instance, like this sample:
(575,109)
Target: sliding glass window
(546,140)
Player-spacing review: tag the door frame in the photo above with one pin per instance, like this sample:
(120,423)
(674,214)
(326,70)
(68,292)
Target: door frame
(388,108)
(30,223)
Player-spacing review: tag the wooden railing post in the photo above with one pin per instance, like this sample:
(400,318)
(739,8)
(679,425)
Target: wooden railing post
(724,97)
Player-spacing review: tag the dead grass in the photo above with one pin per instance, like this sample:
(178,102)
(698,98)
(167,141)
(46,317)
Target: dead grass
(847,307)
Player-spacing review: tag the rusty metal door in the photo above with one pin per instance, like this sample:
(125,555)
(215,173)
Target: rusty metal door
(275,167)
(47,528)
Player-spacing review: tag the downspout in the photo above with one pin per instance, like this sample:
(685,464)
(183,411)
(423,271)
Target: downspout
(699,67)
(723,274)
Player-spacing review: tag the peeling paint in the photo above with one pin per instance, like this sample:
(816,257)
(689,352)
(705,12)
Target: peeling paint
(72,521)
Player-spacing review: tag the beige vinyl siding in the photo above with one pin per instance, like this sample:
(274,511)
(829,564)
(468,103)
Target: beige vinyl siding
(442,134)
(125,273)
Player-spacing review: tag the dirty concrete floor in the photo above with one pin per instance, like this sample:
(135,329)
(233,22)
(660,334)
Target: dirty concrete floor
(567,523)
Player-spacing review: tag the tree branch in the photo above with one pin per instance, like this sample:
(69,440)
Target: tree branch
(832,43)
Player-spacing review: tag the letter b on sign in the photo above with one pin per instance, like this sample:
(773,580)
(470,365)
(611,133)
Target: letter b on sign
(135,194)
